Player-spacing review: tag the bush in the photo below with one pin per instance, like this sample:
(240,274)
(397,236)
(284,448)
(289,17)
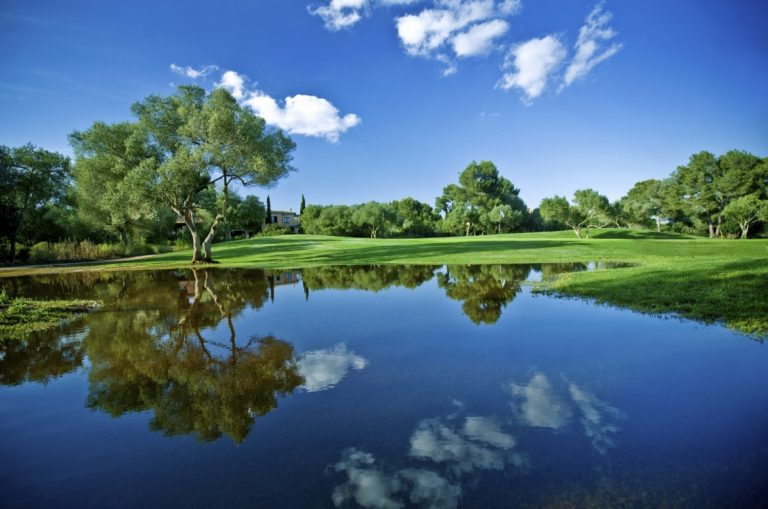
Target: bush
(273,229)
(71,251)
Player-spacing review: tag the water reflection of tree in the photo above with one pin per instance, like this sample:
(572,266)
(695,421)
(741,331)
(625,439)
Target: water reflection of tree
(483,289)
(168,361)
(366,277)
(38,358)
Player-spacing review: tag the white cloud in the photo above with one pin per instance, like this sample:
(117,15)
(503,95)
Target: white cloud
(323,369)
(463,27)
(233,83)
(530,65)
(509,7)
(423,33)
(307,115)
(540,406)
(479,39)
(340,14)
(193,73)
(371,487)
(590,47)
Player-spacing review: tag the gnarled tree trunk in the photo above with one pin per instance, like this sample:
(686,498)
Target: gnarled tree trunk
(209,239)
(189,221)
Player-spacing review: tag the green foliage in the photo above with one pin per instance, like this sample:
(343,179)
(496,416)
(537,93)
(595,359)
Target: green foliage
(112,163)
(706,186)
(745,211)
(249,214)
(202,139)
(71,251)
(273,229)
(31,181)
(589,210)
(466,207)
(413,218)
(374,217)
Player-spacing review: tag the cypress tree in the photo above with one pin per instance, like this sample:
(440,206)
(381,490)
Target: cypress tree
(268,219)
(303,205)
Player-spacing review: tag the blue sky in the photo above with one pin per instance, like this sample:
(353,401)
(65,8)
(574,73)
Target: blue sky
(393,98)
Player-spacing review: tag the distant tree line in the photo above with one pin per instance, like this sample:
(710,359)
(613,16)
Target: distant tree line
(482,202)
(717,196)
(170,175)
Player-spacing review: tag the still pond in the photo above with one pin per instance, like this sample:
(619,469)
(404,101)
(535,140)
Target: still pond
(377,387)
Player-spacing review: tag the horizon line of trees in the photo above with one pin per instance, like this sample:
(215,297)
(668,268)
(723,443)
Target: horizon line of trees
(184,155)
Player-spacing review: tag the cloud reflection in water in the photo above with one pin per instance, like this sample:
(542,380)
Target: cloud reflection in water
(323,369)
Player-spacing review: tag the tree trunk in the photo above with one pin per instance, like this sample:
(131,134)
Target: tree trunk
(719,233)
(577,231)
(711,230)
(209,239)
(227,231)
(744,230)
(189,220)
(468,225)
(12,254)
(123,236)
(658,224)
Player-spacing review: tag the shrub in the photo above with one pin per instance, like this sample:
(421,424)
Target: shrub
(273,229)
(71,251)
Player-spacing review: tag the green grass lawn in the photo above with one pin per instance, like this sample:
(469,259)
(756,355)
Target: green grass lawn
(710,280)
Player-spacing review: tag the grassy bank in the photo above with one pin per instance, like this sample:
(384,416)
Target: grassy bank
(19,317)
(711,280)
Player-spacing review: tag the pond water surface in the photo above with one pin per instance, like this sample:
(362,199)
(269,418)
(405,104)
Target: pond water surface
(377,387)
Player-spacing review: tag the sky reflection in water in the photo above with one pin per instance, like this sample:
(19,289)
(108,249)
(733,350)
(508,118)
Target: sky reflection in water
(380,387)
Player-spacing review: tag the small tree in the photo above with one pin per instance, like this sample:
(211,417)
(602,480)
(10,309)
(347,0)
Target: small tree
(589,210)
(268,219)
(374,216)
(746,211)
(249,214)
(303,205)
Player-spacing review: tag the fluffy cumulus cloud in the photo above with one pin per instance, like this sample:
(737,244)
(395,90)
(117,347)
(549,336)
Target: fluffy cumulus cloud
(450,30)
(323,369)
(307,115)
(530,65)
(455,29)
(533,65)
(479,39)
(592,46)
(191,72)
(443,29)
